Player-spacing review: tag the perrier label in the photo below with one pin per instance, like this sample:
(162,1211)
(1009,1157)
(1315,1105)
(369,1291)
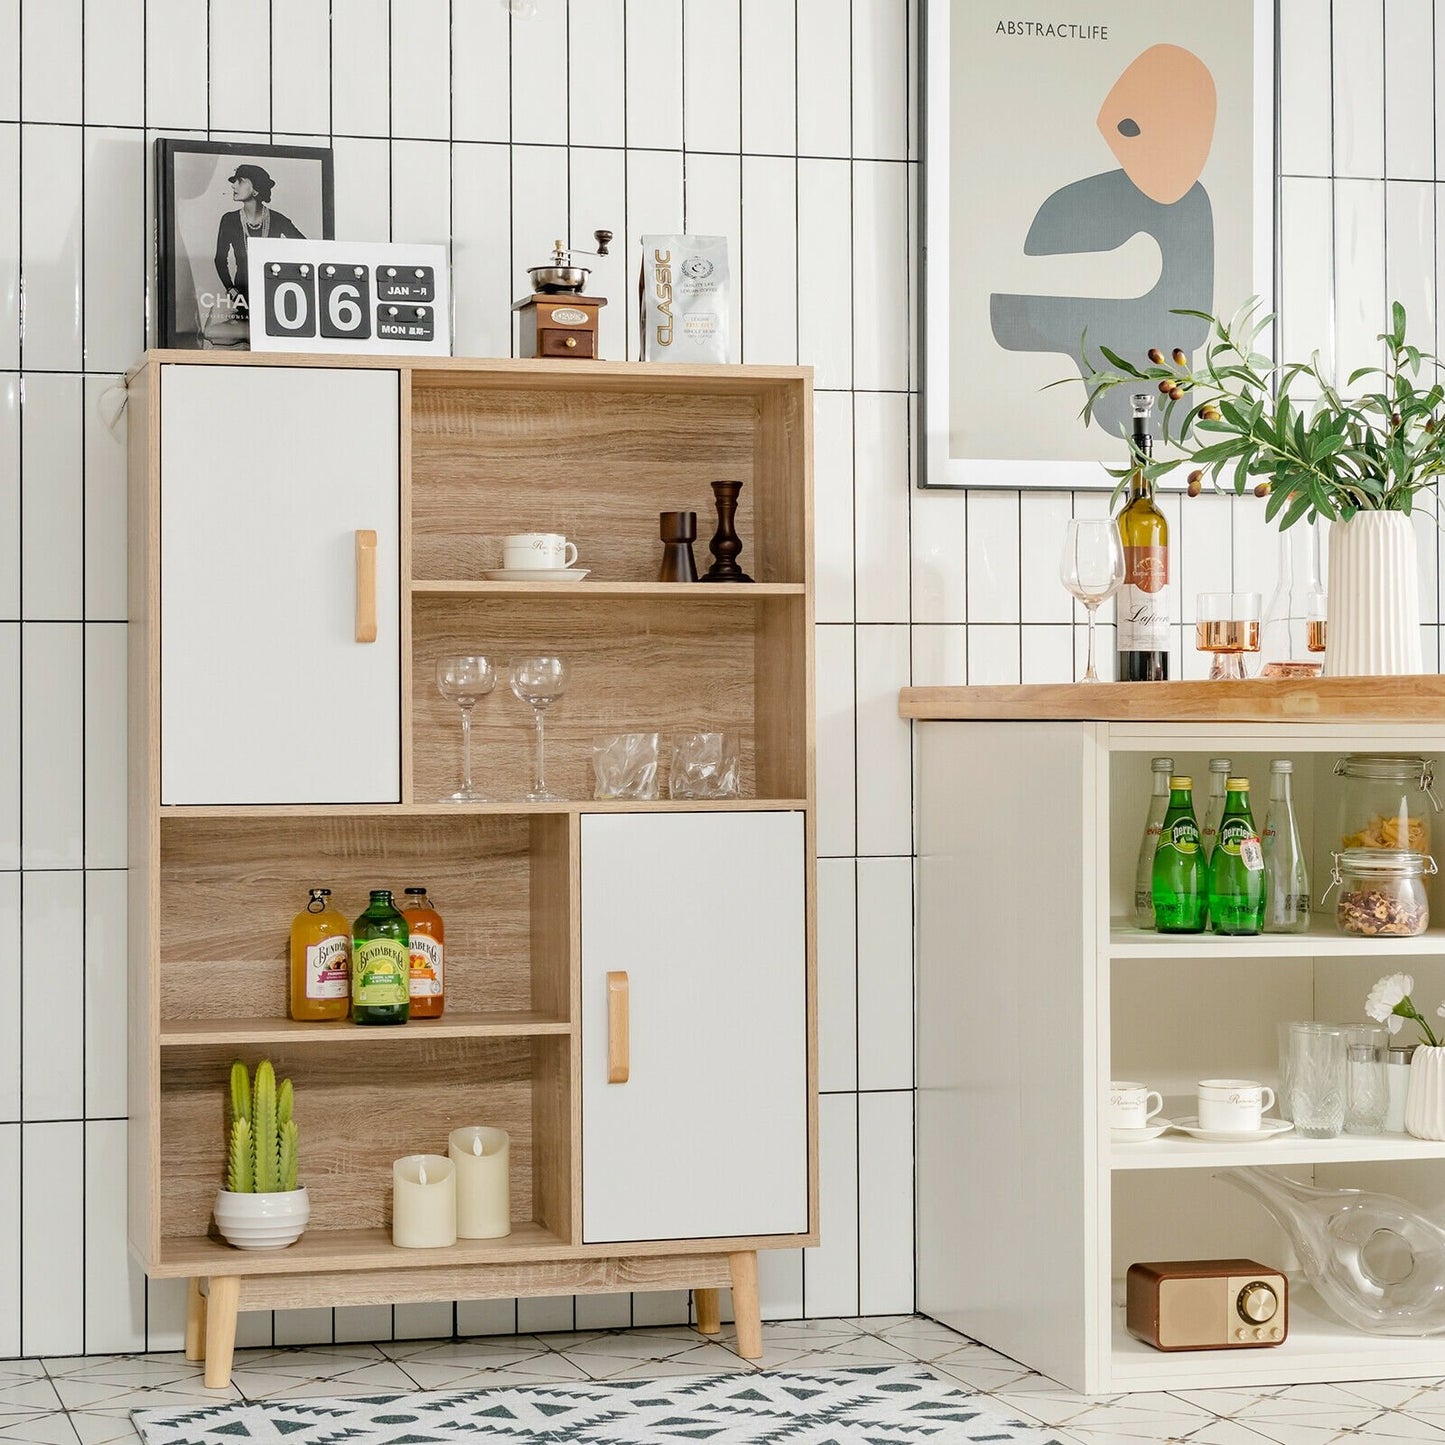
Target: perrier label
(380,963)
(1180,880)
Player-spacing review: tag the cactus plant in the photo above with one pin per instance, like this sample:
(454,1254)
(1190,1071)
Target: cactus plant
(262,1137)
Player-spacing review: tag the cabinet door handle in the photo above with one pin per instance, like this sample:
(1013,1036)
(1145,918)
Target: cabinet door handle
(365,586)
(618,1061)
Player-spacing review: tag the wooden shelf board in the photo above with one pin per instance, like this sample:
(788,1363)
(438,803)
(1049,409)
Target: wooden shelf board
(681,591)
(503,1024)
(505,809)
(1180,1151)
(321,1250)
(344,1250)
(1320,1347)
(1324,940)
(1290,700)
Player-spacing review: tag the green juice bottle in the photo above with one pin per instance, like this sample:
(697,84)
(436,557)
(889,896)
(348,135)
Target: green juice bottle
(380,963)
(1236,868)
(1180,879)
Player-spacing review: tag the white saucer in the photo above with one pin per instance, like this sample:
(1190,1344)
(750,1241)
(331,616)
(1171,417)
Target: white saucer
(1268,1128)
(1151,1130)
(536,574)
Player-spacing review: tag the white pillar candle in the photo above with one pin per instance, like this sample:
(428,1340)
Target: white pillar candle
(423,1202)
(484,1196)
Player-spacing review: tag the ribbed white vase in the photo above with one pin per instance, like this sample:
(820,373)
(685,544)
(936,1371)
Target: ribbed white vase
(1425,1098)
(1374,597)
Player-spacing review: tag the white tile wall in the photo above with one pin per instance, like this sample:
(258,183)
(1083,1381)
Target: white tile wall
(799,122)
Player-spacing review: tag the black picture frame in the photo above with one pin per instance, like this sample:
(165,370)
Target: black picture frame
(195,308)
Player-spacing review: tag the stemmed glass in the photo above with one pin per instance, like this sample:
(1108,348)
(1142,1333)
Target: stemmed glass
(1092,568)
(539,682)
(465,680)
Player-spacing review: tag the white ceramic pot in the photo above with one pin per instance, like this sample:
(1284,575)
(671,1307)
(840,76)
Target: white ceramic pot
(262,1221)
(1425,1099)
(1374,597)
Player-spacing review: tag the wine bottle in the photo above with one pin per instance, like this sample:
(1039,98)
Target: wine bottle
(1143,608)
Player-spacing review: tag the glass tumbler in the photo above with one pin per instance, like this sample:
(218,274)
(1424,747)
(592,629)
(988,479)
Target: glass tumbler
(1315,1070)
(1367,1087)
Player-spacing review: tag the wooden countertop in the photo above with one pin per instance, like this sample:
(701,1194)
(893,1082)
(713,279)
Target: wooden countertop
(1418,698)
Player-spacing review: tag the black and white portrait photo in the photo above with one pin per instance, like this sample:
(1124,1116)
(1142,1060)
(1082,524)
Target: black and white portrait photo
(212,198)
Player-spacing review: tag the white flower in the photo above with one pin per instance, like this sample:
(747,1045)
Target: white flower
(1385,995)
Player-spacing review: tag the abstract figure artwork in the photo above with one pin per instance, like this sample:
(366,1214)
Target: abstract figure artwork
(1084,181)
(1159,121)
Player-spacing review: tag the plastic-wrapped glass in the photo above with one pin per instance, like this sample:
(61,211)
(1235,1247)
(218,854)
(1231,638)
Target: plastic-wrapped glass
(625,766)
(704,765)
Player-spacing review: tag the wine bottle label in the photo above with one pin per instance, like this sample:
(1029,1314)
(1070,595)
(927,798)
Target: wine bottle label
(426,966)
(382,967)
(1143,612)
(327,972)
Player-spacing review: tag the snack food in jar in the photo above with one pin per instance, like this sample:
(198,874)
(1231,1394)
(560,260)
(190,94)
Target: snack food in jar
(1382,892)
(1386,801)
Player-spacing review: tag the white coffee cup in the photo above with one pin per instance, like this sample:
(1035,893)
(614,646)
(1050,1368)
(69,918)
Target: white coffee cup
(1129,1104)
(1233,1105)
(537,552)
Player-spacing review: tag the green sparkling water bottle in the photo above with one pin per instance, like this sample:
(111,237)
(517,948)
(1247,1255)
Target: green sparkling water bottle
(1236,867)
(1180,879)
(380,963)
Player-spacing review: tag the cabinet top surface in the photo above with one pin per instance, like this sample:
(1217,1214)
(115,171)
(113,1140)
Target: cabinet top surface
(1414,699)
(684,376)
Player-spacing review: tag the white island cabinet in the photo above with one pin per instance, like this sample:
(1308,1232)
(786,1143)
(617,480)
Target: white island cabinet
(1035,989)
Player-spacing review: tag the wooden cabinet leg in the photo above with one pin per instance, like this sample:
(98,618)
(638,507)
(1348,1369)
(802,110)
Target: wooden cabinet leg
(225,1296)
(709,1321)
(747,1312)
(195,1322)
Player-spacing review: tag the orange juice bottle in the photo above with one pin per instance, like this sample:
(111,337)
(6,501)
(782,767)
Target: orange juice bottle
(428,943)
(320,961)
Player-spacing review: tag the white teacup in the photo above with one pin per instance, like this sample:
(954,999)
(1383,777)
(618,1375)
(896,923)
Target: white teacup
(537,551)
(1233,1105)
(1129,1104)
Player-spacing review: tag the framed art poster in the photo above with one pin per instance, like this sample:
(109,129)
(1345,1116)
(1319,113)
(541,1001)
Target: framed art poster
(1087,171)
(212,197)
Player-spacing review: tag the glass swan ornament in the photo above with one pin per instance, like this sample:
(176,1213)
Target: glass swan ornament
(1377,1261)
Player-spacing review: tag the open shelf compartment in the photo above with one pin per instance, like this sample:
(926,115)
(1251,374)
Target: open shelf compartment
(598,459)
(228,890)
(358,1111)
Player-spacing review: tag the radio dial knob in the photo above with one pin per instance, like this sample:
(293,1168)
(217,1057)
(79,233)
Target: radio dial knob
(1258,1302)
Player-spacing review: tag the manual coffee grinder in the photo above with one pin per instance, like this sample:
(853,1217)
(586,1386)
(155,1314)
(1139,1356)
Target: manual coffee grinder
(557,320)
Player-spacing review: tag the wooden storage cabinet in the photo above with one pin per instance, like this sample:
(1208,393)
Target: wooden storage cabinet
(220,863)
(1025,944)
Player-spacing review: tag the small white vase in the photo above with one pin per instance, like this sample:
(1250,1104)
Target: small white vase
(1374,597)
(262,1221)
(1425,1100)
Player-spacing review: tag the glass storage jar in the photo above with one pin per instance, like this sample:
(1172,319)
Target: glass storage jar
(1386,801)
(1382,892)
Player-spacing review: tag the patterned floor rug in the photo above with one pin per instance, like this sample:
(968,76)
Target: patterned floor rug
(866,1405)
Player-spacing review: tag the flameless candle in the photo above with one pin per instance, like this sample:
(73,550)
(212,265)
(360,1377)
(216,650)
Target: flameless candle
(423,1202)
(484,1201)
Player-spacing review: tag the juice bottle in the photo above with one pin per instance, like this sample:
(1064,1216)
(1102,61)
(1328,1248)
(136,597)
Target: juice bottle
(320,961)
(427,937)
(380,963)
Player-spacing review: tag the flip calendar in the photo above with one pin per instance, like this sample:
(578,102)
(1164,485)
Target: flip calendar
(379,297)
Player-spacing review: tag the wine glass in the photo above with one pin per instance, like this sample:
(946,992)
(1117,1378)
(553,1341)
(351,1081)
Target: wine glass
(1227,624)
(539,682)
(1092,568)
(465,680)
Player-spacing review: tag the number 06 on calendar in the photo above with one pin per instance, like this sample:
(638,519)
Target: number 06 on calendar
(349,296)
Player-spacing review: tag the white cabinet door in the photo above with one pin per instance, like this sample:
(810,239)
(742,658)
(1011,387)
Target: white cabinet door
(705,915)
(267,475)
